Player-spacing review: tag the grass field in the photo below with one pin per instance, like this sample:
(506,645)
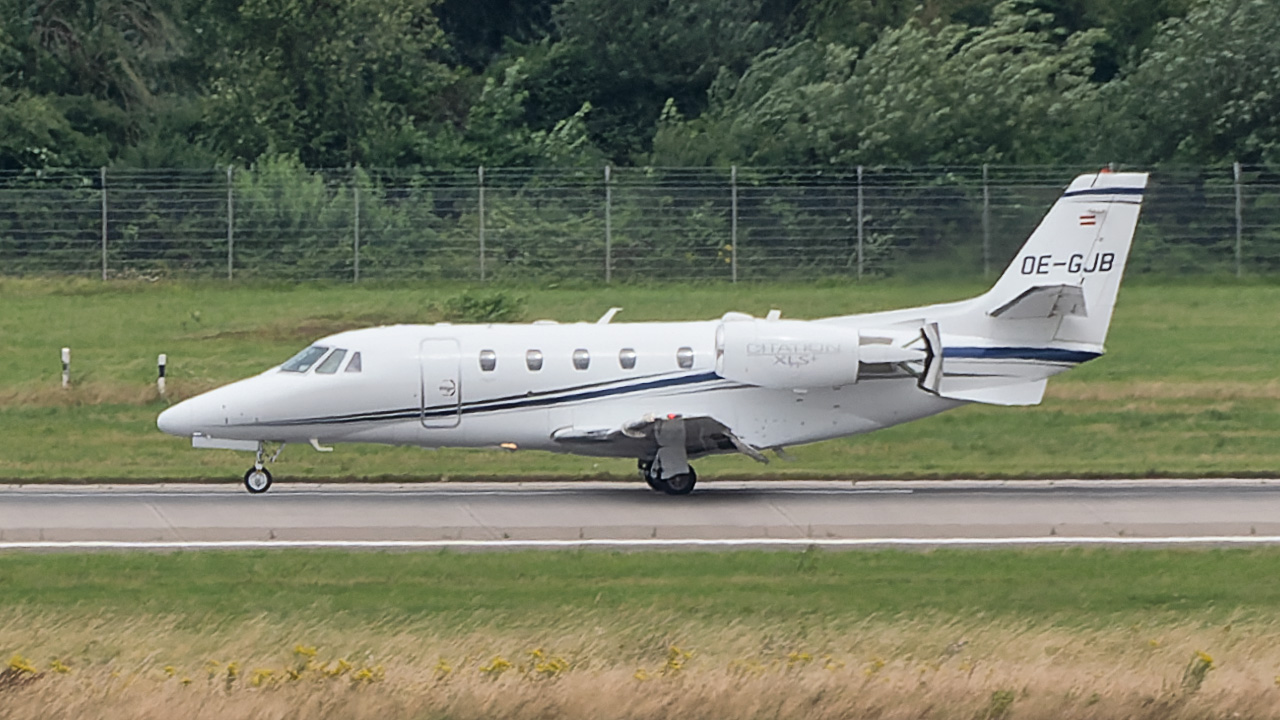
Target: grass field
(946,634)
(1189,386)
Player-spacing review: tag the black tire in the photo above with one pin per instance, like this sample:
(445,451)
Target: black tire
(681,484)
(646,471)
(257,481)
(658,484)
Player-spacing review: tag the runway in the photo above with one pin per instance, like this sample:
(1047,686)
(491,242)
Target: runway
(625,515)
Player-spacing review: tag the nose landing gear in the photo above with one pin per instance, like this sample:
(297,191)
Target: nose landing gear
(257,479)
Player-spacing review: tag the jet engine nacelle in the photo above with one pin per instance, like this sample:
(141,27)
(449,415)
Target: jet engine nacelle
(786,354)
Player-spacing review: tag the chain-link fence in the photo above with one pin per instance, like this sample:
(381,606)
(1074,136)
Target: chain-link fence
(280,222)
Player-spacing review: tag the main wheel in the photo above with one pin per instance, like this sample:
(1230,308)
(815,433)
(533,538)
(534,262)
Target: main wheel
(257,480)
(681,484)
(655,482)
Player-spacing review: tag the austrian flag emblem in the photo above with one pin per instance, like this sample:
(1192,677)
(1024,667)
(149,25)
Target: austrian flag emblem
(1088,219)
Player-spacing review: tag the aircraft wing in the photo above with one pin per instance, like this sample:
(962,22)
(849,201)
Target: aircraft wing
(703,435)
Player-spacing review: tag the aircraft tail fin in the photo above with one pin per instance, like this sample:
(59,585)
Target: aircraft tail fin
(1070,268)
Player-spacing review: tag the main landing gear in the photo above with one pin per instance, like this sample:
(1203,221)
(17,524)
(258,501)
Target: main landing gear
(257,479)
(668,471)
(679,484)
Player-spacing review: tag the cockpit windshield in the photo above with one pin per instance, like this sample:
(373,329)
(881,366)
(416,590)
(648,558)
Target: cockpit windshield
(304,360)
(331,363)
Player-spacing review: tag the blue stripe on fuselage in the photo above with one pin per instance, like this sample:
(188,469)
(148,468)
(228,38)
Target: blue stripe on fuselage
(1020,353)
(1130,191)
(553,397)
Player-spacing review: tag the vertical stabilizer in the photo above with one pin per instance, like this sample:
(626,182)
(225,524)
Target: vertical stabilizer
(1070,268)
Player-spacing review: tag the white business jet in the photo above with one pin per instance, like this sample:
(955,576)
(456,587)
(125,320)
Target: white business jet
(668,392)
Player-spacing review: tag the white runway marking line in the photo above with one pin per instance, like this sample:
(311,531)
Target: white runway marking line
(633,543)
(531,492)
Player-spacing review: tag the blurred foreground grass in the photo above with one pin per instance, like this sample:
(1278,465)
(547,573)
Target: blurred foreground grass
(944,634)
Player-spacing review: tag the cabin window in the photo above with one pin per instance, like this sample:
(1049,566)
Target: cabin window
(303,361)
(533,360)
(488,360)
(332,363)
(581,359)
(354,366)
(627,358)
(684,357)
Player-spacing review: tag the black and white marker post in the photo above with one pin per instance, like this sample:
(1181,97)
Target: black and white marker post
(66,368)
(160,363)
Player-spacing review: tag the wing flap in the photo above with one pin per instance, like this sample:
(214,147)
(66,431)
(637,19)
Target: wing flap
(703,435)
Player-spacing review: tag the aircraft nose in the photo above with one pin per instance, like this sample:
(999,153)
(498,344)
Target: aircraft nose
(177,420)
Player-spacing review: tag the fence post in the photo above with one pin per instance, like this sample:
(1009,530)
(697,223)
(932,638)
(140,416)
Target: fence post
(355,240)
(102,175)
(1239,218)
(608,225)
(231,222)
(860,220)
(986,224)
(480,173)
(733,223)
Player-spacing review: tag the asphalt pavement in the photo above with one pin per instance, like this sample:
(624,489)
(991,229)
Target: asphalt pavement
(764,514)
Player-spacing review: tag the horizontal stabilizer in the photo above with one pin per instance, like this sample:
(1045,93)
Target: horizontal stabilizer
(1044,301)
(1028,393)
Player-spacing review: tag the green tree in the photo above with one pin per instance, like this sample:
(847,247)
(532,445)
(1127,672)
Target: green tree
(354,82)
(1208,89)
(480,30)
(79,78)
(627,58)
(1017,91)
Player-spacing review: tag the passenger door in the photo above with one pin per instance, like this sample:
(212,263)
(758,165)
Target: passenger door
(441,383)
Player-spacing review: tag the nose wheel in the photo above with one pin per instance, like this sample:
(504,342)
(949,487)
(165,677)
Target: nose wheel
(257,480)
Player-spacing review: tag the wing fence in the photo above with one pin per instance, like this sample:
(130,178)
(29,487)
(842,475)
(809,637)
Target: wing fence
(281,222)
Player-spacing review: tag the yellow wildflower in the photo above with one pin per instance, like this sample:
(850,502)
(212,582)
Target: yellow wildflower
(19,664)
(496,666)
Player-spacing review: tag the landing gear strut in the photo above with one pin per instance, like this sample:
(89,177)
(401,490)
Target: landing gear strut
(257,479)
(669,470)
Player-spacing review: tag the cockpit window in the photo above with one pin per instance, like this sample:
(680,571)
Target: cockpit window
(303,361)
(354,365)
(332,363)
